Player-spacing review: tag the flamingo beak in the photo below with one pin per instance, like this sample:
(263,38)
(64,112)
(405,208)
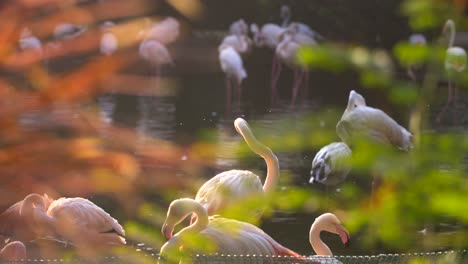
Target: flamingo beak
(167,231)
(344,234)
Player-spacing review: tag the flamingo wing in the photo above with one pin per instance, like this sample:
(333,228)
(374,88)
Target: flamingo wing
(226,188)
(84,214)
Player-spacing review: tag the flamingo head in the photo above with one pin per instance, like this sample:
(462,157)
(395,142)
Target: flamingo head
(177,212)
(355,100)
(417,39)
(455,59)
(449,25)
(330,223)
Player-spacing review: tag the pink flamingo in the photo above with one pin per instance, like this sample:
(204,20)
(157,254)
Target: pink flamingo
(13,251)
(227,236)
(330,223)
(233,67)
(76,220)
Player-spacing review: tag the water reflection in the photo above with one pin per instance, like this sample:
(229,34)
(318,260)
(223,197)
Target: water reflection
(156,117)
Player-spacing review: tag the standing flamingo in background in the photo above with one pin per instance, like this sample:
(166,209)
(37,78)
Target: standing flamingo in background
(109,43)
(65,31)
(77,220)
(13,251)
(226,236)
(415,39)
(239,27)
(455,63)
(233,67)
(331,164)
(233,186)
(29,41)
(286,52)
(360,120)
(330,223)
(154,40)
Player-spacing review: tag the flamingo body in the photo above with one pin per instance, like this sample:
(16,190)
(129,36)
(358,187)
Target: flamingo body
(228,187)
(77,220)
(109,43)
(227,235)
(232,186)
(155,53)
(231,64)
(13,251)
(331,164)
(239,27)
(360,120)
(455,59)
(241,43)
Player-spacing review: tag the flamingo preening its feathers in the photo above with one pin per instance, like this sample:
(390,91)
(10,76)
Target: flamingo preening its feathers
(225,236)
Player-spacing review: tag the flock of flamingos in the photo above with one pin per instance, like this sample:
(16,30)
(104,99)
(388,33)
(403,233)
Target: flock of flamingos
(89,228)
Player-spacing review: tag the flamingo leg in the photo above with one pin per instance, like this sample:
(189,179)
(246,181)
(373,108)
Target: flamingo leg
(447,104)
(239,95)
(228,96)
(158,76)
(306,85)
(298,76)
(275,73)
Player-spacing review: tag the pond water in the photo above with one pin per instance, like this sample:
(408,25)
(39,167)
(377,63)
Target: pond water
(187,106)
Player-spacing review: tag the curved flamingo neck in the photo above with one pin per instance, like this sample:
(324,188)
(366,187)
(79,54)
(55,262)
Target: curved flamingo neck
(192,206)
(451,26)
(34,208)
(320,248)
(270,158)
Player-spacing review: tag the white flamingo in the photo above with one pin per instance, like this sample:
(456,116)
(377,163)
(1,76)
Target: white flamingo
(231,187)
(76,220)
(331,164)
(233,67)
(415,39)
(109,43)
(239,27)
(455,63)
(29,41)
(165,31)
(360,120)
(227,236)
(157,55)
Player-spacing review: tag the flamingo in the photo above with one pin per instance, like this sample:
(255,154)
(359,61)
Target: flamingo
(331,164)
(13,251)
(15,225)
(227,235)
(360,120)
(77,220)
(239,27)
(455,63)
(330,223)
(286,52)
(68,31)
(229,187)
(415,39)
(232,65)
(29,41)
(241,43)
(165,31)
(109,43)
(269,35)
(156,54)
